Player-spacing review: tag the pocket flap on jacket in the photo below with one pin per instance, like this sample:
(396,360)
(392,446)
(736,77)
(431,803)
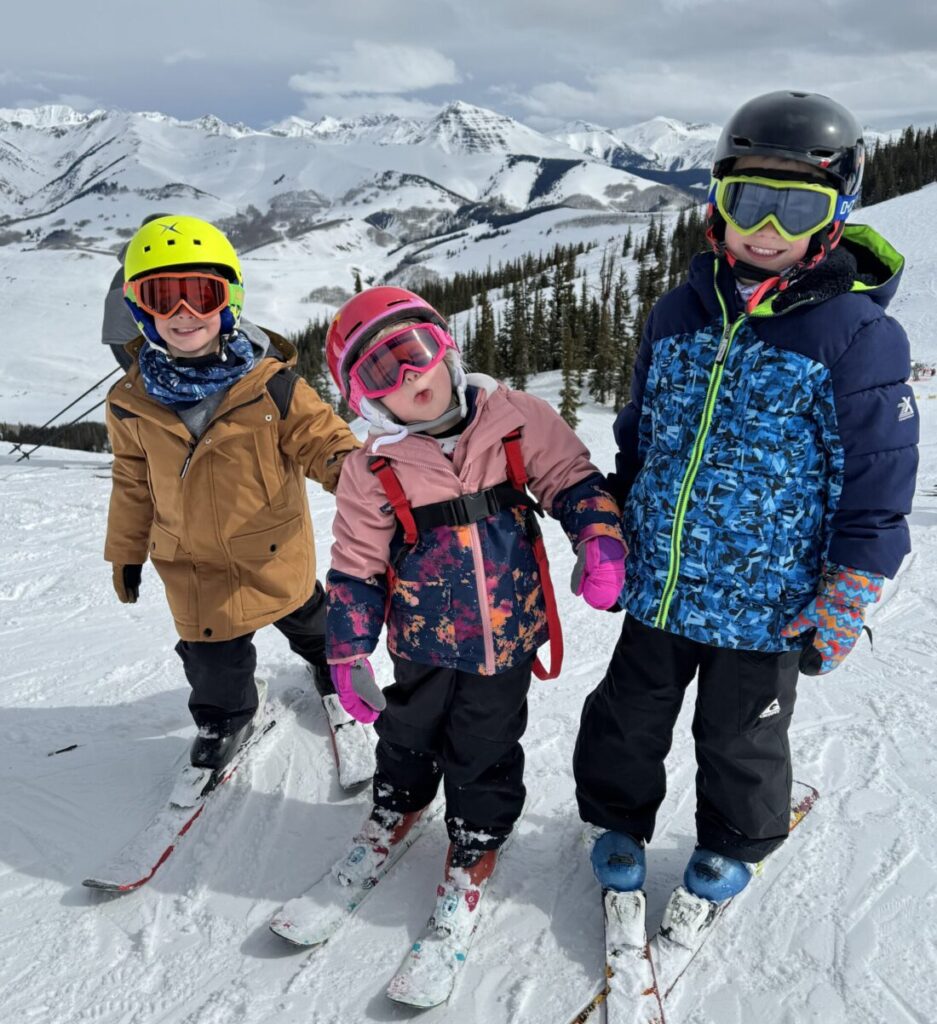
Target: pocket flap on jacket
(265,543)
(163,544)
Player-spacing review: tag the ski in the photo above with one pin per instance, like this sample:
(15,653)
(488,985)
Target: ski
(429,971)
(633,996)
(314,917)
(689,920)
(137,862)
(352,744)
(630,994)
(663,959)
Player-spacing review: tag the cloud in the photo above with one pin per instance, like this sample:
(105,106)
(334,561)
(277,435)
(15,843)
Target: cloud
(377,69)
(77,101)
(693,90)
(183,55)
(315,107)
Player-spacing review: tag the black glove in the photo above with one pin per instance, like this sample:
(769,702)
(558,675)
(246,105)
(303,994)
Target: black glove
(126,580)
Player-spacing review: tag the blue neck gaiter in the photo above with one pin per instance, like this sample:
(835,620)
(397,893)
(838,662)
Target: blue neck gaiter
(182,383)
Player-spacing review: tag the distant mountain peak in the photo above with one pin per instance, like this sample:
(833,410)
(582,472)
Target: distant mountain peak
(49,115)
(464,127)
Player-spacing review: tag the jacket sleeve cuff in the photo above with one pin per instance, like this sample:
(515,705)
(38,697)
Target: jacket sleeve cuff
(354,616)
(585,506)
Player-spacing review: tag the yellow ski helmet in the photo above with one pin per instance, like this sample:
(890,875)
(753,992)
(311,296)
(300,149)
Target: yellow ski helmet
(175,243)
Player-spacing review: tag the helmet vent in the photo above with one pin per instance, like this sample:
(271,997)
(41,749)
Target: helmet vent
(146,248)
(396,302)
(170,241)
(740,140)
(196,241)
(823,153)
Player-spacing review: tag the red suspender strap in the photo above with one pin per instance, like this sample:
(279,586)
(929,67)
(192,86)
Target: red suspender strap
(517,474)
(381,468)
(554,628)
(517,471)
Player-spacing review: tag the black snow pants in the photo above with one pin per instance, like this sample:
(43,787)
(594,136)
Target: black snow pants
(464,728)
(744,704)
(222,674)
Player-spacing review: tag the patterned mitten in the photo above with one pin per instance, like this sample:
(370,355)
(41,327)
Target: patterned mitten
(832,622)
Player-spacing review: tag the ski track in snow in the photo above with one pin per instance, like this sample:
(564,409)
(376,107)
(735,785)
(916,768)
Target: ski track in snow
(846,932)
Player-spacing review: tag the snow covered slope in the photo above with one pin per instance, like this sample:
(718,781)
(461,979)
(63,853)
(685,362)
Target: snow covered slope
(846,935)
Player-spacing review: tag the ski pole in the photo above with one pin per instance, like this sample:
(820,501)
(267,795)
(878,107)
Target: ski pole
(19,445)
(64,426)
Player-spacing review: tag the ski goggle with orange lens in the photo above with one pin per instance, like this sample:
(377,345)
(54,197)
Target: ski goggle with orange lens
(380,370)
(162,295)
(795,209)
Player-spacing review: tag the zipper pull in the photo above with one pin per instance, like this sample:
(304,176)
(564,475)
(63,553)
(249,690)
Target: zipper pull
(727,333)
(723,345)
(188,459)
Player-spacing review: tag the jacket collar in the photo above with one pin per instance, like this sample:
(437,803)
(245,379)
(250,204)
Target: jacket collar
(130,393)
(864,262)
(495,416)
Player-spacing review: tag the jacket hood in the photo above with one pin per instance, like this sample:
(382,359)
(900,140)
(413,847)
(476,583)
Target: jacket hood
(879,265)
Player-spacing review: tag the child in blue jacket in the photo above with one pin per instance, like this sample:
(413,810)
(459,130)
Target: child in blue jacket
(766,464)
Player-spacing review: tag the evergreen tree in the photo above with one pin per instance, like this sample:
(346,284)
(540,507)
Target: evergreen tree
(569,395)
(624,344)
(537,335)
(519,338)
(484,352)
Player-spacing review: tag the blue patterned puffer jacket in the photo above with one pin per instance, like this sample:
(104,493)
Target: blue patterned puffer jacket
(757,444)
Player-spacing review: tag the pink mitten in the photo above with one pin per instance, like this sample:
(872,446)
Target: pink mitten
(599,573)
(358,693)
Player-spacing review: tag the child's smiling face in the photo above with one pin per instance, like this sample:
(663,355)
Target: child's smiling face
(188,335)
(766,248)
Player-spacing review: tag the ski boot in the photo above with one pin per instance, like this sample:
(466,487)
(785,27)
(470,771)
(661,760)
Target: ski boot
(618,862)
(429,971)
(715,877)
(467,873)
(379,843)
(214,746)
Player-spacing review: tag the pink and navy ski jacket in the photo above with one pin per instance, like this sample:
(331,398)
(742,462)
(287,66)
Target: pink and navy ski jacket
(758,444)
(464,597)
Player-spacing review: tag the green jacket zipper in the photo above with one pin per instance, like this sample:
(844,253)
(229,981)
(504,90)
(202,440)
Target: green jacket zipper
(689,477)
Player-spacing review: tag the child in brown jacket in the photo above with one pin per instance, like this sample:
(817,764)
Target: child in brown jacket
(213,436)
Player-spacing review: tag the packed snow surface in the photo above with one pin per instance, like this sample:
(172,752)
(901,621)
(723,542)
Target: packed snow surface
(845,933)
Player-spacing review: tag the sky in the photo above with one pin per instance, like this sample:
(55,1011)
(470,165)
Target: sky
(545,62)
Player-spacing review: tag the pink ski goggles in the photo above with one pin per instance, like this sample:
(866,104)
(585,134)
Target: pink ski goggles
(380,370)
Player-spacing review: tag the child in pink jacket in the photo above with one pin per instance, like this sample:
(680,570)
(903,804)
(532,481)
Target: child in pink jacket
(436,496)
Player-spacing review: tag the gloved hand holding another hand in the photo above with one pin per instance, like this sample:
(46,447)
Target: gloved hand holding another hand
(599,573)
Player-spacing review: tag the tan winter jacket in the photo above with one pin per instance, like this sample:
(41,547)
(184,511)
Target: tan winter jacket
(225,519)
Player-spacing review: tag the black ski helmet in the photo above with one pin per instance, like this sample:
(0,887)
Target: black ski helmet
(801,126)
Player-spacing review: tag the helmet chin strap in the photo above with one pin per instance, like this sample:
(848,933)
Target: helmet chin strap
(376,413)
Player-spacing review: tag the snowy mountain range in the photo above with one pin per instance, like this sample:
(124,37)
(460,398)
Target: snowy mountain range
(68,178)
(662,149)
